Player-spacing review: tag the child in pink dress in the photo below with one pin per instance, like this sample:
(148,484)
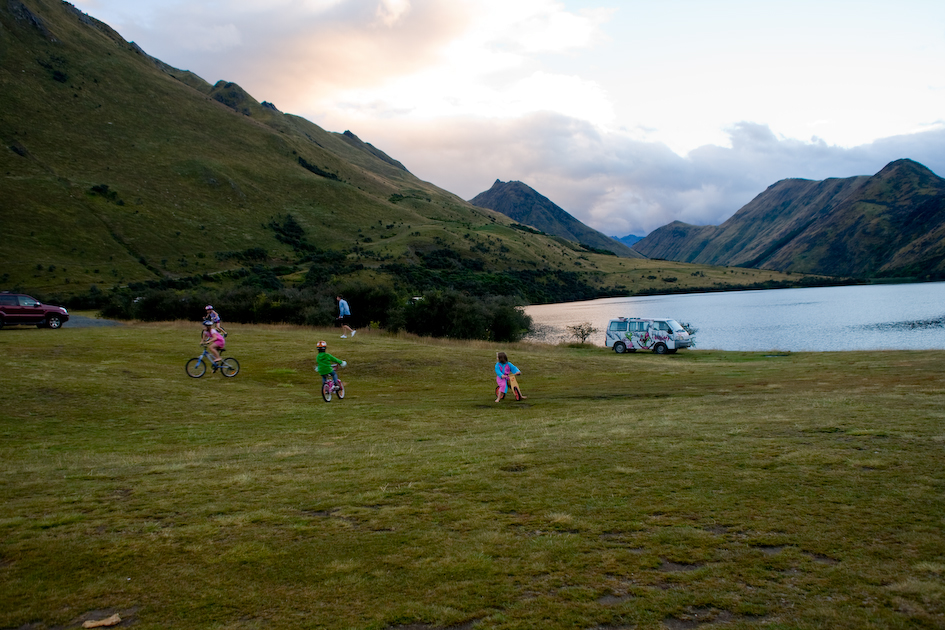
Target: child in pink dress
(213,340)
(504,369)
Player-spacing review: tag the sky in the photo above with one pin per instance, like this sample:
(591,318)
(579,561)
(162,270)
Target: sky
(627,114)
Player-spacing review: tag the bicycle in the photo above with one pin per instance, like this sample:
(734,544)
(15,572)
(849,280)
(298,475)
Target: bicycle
(197,367)
(329,388)
(511,384)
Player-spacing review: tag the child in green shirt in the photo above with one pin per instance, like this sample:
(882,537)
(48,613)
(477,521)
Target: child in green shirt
(323,363)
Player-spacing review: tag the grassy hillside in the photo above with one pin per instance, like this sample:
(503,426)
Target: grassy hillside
(889,225)
(187,177)
(118,170)
(745,489)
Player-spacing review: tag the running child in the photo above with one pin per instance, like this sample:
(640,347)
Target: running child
(323,362)
(213,340)
(503,370)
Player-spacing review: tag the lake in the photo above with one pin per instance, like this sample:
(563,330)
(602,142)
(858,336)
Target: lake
(871,317)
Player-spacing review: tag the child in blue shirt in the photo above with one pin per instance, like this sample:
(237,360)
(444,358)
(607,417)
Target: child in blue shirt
(503,370)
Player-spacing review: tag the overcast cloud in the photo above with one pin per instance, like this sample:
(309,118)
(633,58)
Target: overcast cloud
(628,115)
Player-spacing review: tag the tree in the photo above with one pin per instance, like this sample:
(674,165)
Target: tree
(582,331)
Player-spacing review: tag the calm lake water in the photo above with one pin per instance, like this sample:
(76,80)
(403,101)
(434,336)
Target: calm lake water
(874,317)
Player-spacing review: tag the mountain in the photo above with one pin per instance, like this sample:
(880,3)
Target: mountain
(525,205)
(889,225)
(125,181)
(116,168)
(629,240)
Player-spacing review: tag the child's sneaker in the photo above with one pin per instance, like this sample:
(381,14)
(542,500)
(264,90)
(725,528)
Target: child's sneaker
(344,336)
(353,332)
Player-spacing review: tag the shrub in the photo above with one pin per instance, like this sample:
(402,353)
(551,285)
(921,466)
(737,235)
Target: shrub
(368,303)
(582,331)
(461,316)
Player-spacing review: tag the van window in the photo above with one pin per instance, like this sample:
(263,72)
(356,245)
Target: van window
(638,326)
(662,325)
(618,326)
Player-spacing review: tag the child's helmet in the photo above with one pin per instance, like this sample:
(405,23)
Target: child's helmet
(321,344)
(207,322)
(209,308)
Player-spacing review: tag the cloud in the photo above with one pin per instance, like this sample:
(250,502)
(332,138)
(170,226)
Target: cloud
(467,91)
(389,12)
(359,58)
(620,185)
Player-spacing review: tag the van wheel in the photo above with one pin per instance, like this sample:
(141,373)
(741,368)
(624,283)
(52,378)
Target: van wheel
(620,347)
(660,348)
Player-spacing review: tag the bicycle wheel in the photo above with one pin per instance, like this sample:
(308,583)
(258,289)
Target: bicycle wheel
(341,390)
(196,368)
(498,393)
(518,394)
(229,367)
(326,391)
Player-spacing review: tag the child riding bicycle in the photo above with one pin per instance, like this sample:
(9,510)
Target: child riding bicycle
(213,341)
(214,317)
(323,362)
(503,370)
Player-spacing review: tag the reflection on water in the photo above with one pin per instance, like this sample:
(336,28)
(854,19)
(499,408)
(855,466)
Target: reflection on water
(900,316)
(938,322)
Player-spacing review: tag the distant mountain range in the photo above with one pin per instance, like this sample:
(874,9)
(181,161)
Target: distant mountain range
(629,240)
(524,204)
(889,225)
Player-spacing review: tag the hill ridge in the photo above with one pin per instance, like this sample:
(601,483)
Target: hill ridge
(524,204)
(891,224)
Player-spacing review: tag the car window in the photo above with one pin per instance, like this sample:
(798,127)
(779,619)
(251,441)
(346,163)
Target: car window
(662,325)
(7,300)
(26,300)
(618,326)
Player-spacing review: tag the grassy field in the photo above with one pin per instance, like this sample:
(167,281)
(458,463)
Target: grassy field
(703,489)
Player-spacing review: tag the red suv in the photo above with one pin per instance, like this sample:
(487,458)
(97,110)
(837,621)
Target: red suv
(16,308)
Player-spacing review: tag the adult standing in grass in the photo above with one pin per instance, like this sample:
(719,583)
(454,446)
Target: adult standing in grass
(343,314)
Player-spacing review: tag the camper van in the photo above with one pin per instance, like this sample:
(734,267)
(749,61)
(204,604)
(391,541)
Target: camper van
(662,336)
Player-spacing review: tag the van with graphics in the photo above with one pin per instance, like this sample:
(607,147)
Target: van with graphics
(662,336)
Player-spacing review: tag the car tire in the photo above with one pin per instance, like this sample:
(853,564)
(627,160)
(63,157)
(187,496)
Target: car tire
(660,348)
(620,347)
(54,322)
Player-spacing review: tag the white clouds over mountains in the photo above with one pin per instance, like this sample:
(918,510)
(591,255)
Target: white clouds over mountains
(583,100)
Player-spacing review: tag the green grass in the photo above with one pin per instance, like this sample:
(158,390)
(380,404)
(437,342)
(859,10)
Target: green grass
(798,491)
